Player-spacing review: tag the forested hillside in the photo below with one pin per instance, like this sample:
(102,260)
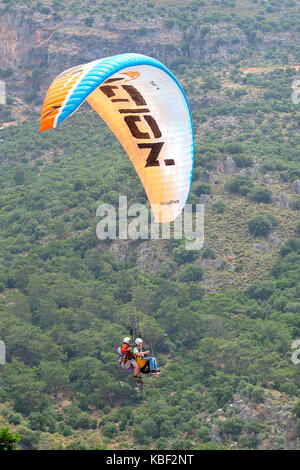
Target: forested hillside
(221,321)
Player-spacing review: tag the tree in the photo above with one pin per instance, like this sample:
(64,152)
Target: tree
(8,439)
(202,188)
(232,426)
(19,175)
(234,148)
(219,207)
(296,409)
(191,273)
(240,184)
(208,253)
(88,21)
(23,388)
(260,225)
(243,161)
(55,376)
(261,290)
(260,193)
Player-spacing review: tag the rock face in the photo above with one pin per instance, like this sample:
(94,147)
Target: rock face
(228,167)
(209,263)
(214,435)
(274,413)
(296,186)
(275,240)
(204,198)
(150,255)
(121,249)
(29,38)
(283,201)
(224,122)
(2,93)
(16,39)
(262,248)
(268,179)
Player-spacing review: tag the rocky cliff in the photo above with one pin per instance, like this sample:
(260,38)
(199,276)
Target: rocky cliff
(30,38)
(270,421)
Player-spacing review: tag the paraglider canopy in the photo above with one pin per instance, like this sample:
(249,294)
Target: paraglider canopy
(145,107)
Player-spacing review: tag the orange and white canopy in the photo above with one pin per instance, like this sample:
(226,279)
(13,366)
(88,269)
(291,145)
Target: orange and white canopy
(146,108)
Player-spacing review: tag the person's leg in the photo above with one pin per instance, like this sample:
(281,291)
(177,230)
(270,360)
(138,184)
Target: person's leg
(152,363)
(136,371)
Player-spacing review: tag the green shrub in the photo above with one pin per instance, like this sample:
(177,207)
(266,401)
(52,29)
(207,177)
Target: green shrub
(243,161)
(261,290)
(5,73)
(89,21)
(202,188)
(182,444)
(208,253)
(140,435)
(64,429)
(261,193)
(240,184)
(29,439)
(296,204)
(254,392)
(232,426)
(5,412)
(37,421)
(8,439)
(14,418)
(181,255)
(211,446)
(84,421)
(260,226)
(5,114)
(234,148)
(142,31)
(77,445)
(109,430)
(298,428)
(247,441)
(191,273)
(292,245)
(219,207)
(296,409)
(169,24)
(203,434)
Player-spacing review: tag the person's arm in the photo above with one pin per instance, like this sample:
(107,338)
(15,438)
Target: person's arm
(142,353)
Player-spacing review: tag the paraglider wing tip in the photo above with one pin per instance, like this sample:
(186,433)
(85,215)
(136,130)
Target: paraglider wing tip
(44,125)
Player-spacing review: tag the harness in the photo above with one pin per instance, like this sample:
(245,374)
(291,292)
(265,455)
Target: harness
(125,359)
(127,355)
(142,363)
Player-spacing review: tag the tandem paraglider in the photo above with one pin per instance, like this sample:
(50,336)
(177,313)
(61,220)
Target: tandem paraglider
(136,359)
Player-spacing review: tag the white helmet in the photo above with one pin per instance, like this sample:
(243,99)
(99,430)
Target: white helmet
(126,340)
(138,341)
